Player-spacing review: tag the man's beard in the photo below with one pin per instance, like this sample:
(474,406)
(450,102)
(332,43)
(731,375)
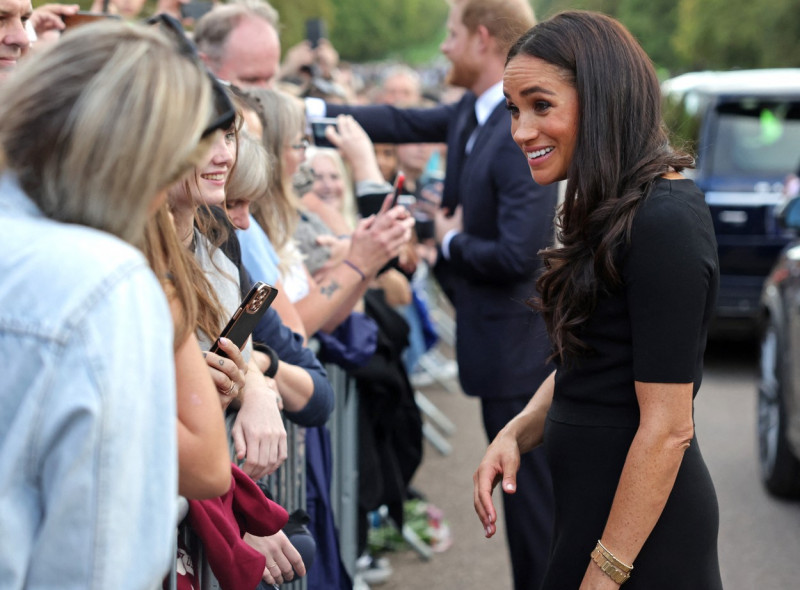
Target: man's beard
(461,75)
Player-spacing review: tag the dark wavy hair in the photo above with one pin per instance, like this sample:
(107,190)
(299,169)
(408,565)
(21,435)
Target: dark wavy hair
(621,147)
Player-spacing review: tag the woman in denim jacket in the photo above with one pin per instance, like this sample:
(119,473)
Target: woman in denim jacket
(92,130)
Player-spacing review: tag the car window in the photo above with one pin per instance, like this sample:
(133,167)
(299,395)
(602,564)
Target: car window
(757,138)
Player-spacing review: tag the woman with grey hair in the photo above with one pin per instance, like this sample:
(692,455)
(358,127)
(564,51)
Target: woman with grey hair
(92,131)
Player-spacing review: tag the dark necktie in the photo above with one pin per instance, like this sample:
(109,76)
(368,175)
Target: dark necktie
(469,122)
(466,133)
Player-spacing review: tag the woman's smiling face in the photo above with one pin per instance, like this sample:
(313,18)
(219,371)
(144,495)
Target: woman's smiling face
(213,174)
(544,115)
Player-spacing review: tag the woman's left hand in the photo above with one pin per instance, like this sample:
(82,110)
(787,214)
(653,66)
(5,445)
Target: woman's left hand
(229,373)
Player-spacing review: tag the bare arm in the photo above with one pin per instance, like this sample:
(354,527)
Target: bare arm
(396,287)
(203,461)
(666,429)
(501,461)
(295,385)
(330,301)
(375,241)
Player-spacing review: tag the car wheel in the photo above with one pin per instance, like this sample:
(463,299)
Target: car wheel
(780,470)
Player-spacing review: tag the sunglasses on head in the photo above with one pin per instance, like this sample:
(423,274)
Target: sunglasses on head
(224,112)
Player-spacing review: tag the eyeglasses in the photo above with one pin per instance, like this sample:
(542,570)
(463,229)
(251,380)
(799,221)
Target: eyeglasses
(224,111)
(300,146)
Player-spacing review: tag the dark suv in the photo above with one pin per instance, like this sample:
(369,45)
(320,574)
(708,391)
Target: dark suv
(744,127)
(779,383)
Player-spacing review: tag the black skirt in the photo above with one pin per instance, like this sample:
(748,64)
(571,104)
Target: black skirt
(586,463)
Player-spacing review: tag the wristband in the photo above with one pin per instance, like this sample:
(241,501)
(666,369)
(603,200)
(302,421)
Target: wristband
(355,268)
(272,370)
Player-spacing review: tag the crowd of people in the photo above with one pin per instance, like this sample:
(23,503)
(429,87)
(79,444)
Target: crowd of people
(150,177)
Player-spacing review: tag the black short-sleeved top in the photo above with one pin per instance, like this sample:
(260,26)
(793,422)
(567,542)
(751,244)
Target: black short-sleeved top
(654,327)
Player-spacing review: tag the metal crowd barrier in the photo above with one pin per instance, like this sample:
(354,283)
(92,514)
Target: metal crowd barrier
(343,426)
(288,484)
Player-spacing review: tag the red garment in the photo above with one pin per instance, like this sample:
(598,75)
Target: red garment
(220,523)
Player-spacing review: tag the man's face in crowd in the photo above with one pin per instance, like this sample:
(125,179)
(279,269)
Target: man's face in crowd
(402,90)
(460,48)
(14,40)
(251,55)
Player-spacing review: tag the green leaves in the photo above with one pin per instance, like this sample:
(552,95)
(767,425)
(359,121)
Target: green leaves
(366,30)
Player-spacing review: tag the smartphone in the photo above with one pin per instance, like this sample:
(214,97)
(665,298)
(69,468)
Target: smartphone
(83,17)
(195,9)
(398,187)
(244,320)
(371,204)
(315,30)
(318,127)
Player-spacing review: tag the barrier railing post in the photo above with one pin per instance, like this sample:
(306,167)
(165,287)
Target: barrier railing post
(343,426)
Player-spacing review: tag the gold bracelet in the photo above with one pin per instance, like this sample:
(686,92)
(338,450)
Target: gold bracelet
(601,558)
(613,559)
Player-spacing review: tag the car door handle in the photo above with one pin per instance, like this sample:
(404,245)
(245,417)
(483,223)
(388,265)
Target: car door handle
(733,217)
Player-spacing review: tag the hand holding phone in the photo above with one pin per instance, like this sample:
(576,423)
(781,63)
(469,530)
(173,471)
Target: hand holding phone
(318,127)
(315,30)
(195,9)
(244,320)
(398,187)
(83,17)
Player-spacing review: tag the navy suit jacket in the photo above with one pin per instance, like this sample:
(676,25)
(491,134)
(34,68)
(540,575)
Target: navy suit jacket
(501,345)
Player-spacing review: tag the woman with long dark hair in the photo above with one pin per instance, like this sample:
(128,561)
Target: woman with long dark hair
(627,295)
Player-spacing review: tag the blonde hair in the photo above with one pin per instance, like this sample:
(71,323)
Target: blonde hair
(349,210)
(506,20)
(281,116)
(250,179)
(95,126)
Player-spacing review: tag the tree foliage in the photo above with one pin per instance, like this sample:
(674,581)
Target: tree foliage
(738,34)
(679,35)
(365,30)
(293,16)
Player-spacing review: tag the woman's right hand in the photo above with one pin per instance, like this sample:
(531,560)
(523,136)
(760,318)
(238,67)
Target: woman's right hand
(229,373)
(500,463)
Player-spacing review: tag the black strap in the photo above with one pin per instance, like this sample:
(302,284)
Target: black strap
(272,370)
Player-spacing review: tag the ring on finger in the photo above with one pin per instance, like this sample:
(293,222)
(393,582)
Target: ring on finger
(230,389)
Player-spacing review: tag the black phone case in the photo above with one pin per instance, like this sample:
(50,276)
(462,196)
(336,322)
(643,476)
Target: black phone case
(244,320)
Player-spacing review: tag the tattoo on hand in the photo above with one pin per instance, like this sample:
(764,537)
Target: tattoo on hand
(330,289)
